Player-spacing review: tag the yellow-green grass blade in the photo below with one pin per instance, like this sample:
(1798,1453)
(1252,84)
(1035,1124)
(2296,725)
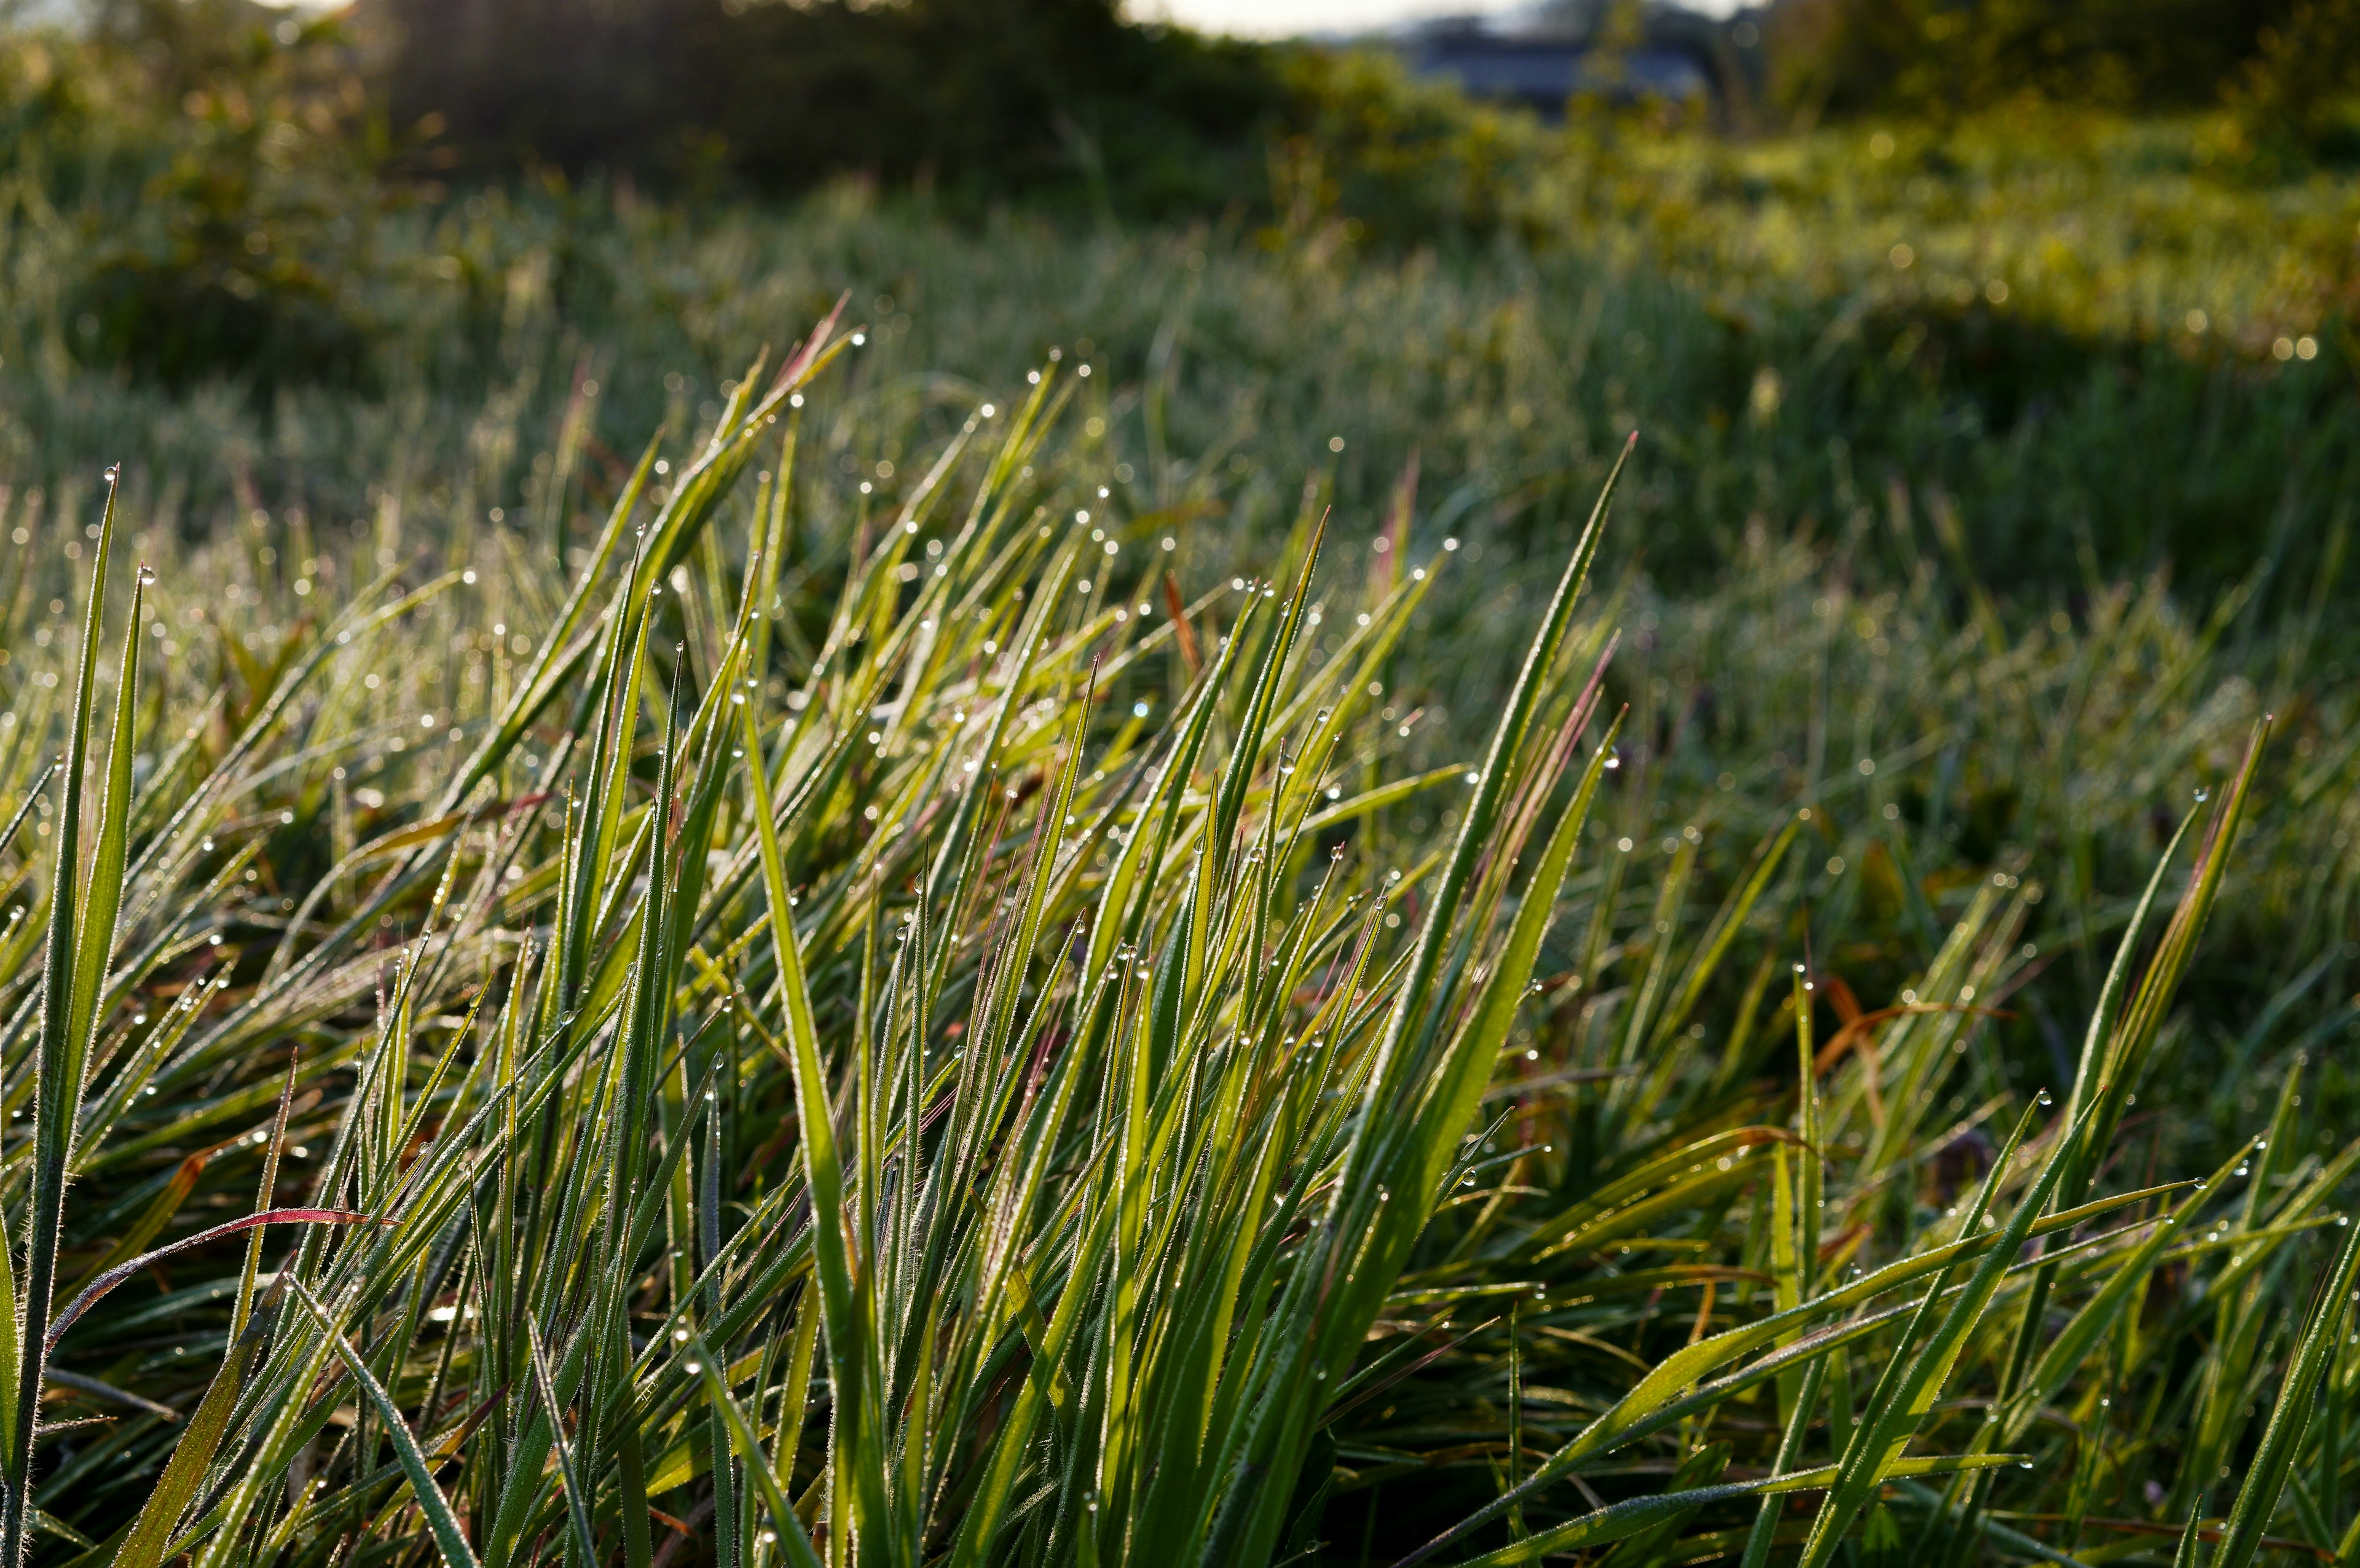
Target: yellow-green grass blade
(793,1543)
(1675,1386)
(150,1539)
(577,1508)
(823,1166)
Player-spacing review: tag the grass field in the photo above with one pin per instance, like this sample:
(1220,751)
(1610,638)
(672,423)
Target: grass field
(1350,1002)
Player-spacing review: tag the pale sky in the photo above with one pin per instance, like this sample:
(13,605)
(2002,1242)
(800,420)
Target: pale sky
(1282,18)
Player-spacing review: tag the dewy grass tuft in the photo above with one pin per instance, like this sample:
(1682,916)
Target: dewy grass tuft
(923,1032)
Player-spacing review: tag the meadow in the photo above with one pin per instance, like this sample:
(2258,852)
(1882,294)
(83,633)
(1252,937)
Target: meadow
(1150,898)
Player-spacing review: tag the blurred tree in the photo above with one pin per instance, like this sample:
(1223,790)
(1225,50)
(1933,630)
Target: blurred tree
(2291,96)
(978,96)
(222,156)
(1942,57)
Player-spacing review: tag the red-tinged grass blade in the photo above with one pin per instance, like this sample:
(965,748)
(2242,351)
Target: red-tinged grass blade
(448,1536)
(121,1271)
(2189,1552)
(799,366)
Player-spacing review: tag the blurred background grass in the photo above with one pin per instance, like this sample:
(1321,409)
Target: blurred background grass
(1994,360)
(2011,314)
(2097,300)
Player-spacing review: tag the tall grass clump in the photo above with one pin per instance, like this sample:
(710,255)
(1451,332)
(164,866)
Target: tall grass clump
(838,1031)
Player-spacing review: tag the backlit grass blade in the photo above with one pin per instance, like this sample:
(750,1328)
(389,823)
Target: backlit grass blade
(822,1164)
(75,961)
(569,1475)
(151,1532)
(2064,1351)
(1910,1388)
(1675,1386)
(794,1544)
(264,1195)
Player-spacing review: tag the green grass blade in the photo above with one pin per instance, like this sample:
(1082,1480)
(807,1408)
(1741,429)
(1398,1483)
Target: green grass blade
(2292,1412)
(64,1045)
(569,1476)
(1622,1520)
(449,1538)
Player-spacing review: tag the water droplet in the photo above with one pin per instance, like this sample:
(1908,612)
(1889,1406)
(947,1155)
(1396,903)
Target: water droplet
(2043,1098)
(2204,795)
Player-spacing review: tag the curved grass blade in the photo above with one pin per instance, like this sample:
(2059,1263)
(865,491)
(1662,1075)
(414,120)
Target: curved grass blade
(449,1538)
(121,1271)
(1625,1519)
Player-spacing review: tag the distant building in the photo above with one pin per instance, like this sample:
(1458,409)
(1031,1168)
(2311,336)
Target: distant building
(1540,71)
